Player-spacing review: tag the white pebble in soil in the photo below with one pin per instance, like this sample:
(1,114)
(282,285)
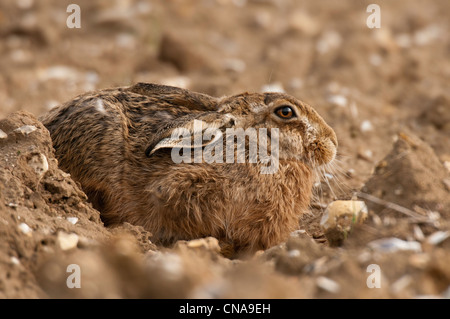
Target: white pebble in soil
(25,229)
(72,220)
(26,129)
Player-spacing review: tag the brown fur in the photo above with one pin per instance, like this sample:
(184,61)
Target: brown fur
(101,139)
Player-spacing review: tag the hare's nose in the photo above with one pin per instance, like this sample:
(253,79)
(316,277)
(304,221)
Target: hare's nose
(332,136)
(333,139)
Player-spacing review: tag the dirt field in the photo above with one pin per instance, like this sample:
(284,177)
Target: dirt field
(384,91)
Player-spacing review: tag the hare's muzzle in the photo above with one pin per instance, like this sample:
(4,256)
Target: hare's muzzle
(324,149)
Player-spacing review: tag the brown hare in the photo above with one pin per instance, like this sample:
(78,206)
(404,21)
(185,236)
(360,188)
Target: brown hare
(119,144)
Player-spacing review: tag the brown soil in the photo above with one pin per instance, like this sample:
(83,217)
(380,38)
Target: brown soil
(384,91)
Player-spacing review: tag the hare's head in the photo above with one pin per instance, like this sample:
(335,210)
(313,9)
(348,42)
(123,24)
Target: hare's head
(302,134)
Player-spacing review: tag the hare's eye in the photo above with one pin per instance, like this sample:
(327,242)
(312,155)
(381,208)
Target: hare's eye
(285,112)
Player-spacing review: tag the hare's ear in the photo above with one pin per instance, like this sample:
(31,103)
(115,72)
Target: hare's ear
(193,133)
(176,96)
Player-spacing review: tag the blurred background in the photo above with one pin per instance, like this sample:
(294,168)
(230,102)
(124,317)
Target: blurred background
(367,83)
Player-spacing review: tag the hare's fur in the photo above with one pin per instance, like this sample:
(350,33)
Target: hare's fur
(103,140)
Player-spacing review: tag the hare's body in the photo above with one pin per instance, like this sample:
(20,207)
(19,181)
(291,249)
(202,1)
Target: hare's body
(116,143)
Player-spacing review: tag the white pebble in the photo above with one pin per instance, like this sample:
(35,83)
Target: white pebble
(72,220)
(38,162)
(447,165)
(15,260)
(339,100)
(294,253)
(298,232)
(3,134)
(24,228)
(350,172)
(67,241)
(418,233)
(390,245)
(26,129)
(427,35)
(328,285)
(353,210)
(438,237)
(366,126)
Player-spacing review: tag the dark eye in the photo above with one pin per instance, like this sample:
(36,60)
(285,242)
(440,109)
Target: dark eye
(285,112)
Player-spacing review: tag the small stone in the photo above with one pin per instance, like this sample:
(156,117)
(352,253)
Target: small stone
(15,260)
(293,253)
(446,182)
(298,232)
(438,237)
(366,155)
(38,162)
(446,165)
(418,234)
(390,245)
(201,244)
(340,217)
(350,173)
(26,129)
(366,126)
(3,134)
(67,241)
(13,205)
(427,35)
(338,100)
(24,228)
(72,220)
(328,285)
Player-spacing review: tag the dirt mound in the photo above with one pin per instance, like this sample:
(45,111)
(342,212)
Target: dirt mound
(412,176)
(39,201)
